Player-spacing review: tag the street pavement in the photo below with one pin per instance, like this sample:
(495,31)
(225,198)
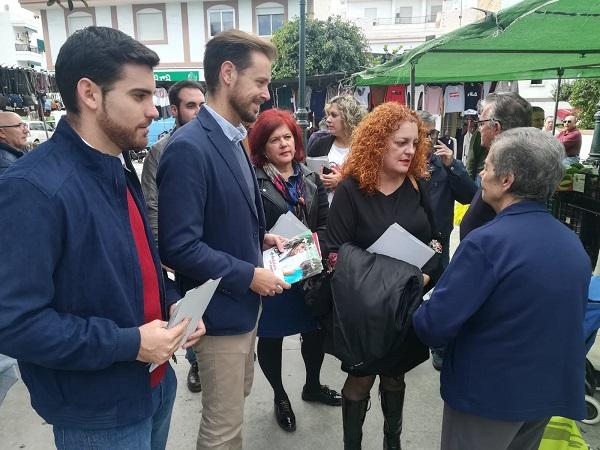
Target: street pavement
(319,427)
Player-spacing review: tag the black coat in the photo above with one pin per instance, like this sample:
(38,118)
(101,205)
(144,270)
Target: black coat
(317,206)
(320,146)
(374,297)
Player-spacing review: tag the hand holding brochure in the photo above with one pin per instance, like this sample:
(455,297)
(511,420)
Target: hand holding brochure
(192,305)
(398,243)
(300,259)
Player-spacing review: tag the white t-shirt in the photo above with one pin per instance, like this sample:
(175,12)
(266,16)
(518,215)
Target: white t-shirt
(337,157)
(454,99)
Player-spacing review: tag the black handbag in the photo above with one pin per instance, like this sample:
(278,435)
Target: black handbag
(317,294)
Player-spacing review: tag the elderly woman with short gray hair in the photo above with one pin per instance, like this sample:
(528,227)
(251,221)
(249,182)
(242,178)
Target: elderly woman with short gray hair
(510,307)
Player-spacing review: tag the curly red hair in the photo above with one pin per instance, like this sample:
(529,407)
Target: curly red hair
(262,129)
(369,143)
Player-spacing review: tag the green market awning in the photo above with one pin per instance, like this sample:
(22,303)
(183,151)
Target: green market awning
(531,40)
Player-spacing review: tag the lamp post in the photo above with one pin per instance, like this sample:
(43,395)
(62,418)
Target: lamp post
(302,113)
(594,157)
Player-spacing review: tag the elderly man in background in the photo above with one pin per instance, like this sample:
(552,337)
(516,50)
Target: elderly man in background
(516,305)
(570,137)
(13,141)
(549,125)
(13,138)
(500,112)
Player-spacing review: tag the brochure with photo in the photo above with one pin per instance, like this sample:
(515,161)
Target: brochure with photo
(301,258)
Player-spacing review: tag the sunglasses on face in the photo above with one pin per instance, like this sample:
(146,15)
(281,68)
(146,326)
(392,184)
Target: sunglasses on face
(567,121)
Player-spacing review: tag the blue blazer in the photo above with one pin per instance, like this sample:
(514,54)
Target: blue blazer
(510,310)
(209,225)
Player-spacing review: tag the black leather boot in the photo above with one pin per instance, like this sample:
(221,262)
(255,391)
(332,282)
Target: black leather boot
(392,403)
(353,416)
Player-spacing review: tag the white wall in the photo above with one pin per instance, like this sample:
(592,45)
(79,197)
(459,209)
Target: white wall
(246,15)
(103,16)
(357,9)
(56,31)
(125,19)
(8,54)
(173,50)
(197,26)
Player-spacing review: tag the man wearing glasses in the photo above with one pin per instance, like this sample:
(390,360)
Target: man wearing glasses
(13,139)
(570,137)
(500,112)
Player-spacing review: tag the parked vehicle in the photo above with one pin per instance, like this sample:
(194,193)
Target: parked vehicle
(37,134)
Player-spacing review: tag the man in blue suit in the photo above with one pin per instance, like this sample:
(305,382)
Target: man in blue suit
(211,225)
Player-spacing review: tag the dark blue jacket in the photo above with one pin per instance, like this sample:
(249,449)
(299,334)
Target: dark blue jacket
(510,310)
(70,284)
(208,224)
(8,155)
(447,185)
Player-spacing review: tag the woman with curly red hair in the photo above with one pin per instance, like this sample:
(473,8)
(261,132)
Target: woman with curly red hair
(380,188)
(286,185)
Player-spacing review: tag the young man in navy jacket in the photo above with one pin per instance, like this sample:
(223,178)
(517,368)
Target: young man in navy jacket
(89,317)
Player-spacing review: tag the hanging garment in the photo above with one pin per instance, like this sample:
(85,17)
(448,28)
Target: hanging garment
(361,94)
(396,93)
(377,96)
(433,100)
(472,95)
(454,98)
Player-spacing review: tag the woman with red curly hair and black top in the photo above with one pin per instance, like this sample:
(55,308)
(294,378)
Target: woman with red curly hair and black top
(286,185)
(388,154)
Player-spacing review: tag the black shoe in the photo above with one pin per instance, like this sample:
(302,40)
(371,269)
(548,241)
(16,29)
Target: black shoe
(193,378)
(285,415)
(322,395)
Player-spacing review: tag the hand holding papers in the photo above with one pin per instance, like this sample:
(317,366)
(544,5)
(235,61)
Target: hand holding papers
(192,306)
(300,259)
(398,243)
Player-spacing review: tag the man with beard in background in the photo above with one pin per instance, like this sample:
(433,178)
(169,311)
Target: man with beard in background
(211,225)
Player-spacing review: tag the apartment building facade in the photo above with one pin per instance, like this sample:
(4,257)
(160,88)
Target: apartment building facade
(20,33)
(176,30)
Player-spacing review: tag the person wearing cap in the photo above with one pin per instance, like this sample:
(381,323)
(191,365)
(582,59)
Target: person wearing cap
(470,118)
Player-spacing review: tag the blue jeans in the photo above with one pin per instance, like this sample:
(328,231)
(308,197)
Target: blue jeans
(149,434)
(190,355)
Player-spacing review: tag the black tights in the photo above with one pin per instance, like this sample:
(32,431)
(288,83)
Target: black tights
(358,388)
(269,358)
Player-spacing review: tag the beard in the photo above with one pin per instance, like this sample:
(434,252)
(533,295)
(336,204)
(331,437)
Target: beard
(125,137)
(244,107)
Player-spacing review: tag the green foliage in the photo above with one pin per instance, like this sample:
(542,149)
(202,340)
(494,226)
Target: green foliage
(333,45)
(565,91)
(585,95)
(69,3)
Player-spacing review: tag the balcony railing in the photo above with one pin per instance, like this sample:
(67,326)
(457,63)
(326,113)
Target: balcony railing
(26,48)
(431,18)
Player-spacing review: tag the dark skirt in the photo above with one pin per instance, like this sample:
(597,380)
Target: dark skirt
(285,314)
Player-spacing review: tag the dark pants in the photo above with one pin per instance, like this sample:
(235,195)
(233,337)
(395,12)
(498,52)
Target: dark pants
(462,431)
(149,434)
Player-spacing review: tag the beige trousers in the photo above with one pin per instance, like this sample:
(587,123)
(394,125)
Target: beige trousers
(226,368)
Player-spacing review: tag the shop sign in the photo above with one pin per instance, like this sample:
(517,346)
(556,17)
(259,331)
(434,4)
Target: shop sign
(177,76)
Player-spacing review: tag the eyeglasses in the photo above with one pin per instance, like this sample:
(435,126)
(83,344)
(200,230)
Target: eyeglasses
(566,121)
(481,122)
(22,125)
(433,133)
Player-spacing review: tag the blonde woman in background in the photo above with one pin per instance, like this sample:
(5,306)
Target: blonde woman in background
(343,114)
